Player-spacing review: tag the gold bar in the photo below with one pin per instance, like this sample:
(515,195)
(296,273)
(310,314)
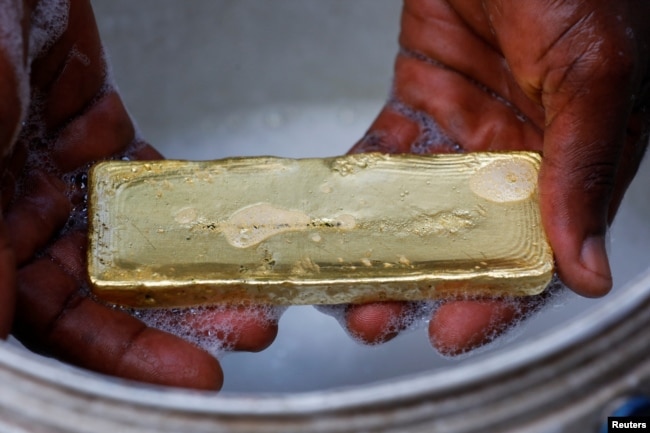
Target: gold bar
(358,228)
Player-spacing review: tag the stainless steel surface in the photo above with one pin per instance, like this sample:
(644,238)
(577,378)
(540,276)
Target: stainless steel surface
(304,78)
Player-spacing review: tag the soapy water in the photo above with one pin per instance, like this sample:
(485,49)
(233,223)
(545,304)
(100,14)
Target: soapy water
(12,47)
(11,13)
(431,139)
(319,350)
(416,315)
(555,296)
(213,328)
(313,350)
(48,21)
(307,338)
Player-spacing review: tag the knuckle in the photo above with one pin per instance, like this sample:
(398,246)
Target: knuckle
(587,170)
(594,50)
(595,176)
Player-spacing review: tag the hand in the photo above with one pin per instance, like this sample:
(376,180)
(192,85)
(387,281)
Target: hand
(59,113)
(569,79)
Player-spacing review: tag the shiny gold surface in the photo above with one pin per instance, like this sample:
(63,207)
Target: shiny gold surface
(316,231)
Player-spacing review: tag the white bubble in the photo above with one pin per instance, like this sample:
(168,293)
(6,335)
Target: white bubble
(12,46)
(49,21)
(553,297)
(431,139)
(11,35)
(211,328)
(415,316)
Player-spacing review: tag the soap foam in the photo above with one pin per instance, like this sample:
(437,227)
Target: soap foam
(431,139)
(12,46)
(49,21)
(211,328)
(554,296)
(11,35)
(416,315)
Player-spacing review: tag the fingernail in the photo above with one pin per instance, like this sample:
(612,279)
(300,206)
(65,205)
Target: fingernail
(594,257)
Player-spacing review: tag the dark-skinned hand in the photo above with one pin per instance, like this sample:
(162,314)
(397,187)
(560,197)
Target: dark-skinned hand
(59,113)
(566,78)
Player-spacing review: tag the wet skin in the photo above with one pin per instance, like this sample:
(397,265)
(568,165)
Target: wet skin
(76,118)
(565,78)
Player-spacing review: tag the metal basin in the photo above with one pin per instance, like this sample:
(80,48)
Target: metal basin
(210,79)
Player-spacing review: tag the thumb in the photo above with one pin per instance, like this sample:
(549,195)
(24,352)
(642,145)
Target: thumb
(582,61)
(583,143)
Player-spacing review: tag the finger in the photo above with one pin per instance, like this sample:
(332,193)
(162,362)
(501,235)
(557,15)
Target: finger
(232,328)
(7,283)
(104,130)
(448,71)
(80,117)
(238,328)
(141,150)
(14,83)
(37,215)
(11,171)
(391,132)
(241,328)
(455,35)
(457,327)
(73,71)
(12,108)
(378,322)
(467,113)
(375,323)
(53,316)
(12,104)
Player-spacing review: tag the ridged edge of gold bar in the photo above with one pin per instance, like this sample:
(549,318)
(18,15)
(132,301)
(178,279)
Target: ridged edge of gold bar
(291,293)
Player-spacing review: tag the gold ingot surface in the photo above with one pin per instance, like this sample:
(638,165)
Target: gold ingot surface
(358,228)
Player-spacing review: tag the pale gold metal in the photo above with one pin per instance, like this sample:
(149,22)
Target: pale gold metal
(358,228)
